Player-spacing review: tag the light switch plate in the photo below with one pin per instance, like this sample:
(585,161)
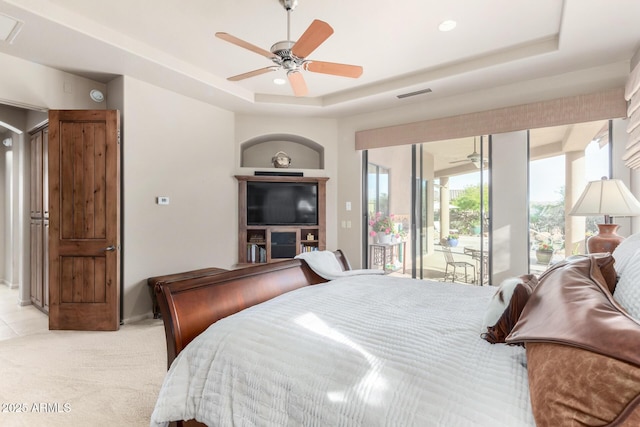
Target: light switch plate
(162,200)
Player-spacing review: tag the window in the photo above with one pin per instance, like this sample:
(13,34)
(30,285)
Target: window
(378,197)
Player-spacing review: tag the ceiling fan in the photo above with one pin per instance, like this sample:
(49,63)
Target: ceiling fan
(292,55)
(474,157)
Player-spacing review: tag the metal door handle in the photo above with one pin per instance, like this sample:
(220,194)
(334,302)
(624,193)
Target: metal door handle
(110,248)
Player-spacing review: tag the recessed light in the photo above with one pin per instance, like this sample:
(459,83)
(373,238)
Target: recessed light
(96,95)
(447,25)
(279,81)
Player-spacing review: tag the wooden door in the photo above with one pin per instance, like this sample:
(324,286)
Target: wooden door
(84,220)
(36,262)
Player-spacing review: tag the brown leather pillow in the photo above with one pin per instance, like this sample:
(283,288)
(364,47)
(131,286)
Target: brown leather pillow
(582,350)
(608,271)
(498,332)
(605,262)
(569,386)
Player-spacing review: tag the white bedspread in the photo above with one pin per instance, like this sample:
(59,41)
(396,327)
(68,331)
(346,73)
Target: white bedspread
(357,351)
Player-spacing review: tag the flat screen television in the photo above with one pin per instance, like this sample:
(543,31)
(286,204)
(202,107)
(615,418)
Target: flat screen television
(282,203)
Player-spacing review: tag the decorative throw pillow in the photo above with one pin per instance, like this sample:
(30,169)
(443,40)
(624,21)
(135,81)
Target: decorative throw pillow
(506,306)
(573,386)
(625,251)
(606,264)
(608,269)
(627,292)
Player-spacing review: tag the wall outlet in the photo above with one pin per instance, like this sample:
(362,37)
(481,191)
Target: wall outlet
(162,200)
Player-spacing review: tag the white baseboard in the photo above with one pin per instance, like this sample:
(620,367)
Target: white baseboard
(9,284)
(138,318)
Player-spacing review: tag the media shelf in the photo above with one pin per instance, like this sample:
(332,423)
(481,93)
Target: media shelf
(268,243)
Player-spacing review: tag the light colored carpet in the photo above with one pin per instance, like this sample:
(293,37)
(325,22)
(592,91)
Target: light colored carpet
(73,378)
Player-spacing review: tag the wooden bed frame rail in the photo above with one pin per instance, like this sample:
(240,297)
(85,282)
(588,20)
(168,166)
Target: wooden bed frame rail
(190,305)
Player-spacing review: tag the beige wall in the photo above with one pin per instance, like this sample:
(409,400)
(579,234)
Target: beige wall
(29,85)
(321,131)
(9,191)
(510,205)
(177,147)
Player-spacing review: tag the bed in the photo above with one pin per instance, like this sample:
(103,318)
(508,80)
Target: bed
(279,344)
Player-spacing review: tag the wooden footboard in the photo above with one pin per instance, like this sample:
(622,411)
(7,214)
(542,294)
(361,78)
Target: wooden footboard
(190,305)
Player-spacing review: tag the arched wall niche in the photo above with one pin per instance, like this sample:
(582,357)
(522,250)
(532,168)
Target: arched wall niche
(304,153)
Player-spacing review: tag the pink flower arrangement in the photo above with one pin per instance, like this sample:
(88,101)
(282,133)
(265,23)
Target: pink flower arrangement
(381,223)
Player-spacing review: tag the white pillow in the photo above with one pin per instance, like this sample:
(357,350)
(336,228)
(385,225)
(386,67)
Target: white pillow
(625,251)
(627,292)
(500,301)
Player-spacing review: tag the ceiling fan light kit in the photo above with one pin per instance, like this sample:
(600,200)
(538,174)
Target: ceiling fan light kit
(475,158)
(292,56)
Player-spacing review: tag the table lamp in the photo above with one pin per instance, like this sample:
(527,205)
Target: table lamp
(608,197)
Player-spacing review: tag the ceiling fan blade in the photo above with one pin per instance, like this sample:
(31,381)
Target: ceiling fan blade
(252,73)
(238,42)
(313,37)
(344,70)
(297,83)
(461,161)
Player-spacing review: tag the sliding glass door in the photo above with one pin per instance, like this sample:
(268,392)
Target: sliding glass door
(460,211)
(435,209)
(562,160)
(434,201)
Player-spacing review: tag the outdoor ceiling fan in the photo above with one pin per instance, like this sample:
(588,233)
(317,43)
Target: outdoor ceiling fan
(474,157)
(292,55)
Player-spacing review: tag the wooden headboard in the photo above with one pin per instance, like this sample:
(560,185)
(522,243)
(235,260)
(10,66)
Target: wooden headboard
(191,305)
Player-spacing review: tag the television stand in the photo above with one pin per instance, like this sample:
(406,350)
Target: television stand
(269,243)
(283,244)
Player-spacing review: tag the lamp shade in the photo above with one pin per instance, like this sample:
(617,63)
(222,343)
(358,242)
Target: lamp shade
(606,197)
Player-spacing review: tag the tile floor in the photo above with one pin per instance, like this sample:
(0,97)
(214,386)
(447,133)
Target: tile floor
(17,320)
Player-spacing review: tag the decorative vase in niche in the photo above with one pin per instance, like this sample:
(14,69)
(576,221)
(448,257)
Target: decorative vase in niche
(384,238)
(281,160)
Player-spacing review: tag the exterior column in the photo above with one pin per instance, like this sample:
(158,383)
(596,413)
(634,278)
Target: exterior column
(444,207)
(574,226)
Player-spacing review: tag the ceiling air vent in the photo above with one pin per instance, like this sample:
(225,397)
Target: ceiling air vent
(9,28)
(418,92)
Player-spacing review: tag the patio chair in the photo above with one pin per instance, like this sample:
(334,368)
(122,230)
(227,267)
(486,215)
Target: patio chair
(482,270)
(453,274)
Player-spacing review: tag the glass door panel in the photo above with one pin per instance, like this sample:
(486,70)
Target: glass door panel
(389,209)
(421,179)
(461,212)
(562,160)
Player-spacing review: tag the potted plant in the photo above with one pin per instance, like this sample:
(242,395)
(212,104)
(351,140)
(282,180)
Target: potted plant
(382,227)
(544,252)
(546,245)
(452,240)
